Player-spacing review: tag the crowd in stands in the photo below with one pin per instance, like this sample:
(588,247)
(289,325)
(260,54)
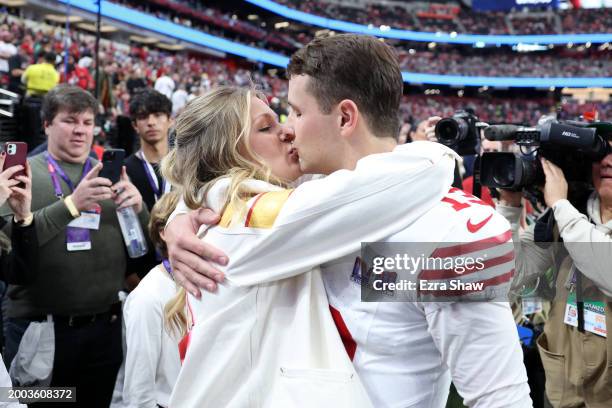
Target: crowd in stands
(134,66)
(455,62)
(534,25)
(416,108)
(451,61)
(196,15)
(572,21)
(586,21)
(130,66)
(475,22)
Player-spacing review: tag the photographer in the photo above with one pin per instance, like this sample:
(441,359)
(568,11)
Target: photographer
(576,354)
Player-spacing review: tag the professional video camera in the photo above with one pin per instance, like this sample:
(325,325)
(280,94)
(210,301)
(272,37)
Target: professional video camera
(460,132)
(573,146)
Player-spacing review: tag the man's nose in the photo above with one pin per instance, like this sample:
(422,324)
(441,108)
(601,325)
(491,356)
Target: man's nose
(79,128)
(287,135)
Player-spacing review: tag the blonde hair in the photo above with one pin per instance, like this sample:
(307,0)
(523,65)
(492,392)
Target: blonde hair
(212,143)
(175,315)
(159,216)
(175,318)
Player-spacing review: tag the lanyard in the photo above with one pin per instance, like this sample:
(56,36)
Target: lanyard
(166,264)
(152,177)
(55,169)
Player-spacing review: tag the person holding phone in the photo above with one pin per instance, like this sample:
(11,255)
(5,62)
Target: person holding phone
(16,191)
(81,255)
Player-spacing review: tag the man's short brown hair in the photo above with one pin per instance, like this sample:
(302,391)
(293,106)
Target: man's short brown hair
(356,67)
(69,98)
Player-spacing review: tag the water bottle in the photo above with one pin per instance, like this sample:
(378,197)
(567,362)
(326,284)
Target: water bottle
(132,232)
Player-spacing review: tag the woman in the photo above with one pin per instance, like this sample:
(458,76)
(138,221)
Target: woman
(152,359)
(266,338)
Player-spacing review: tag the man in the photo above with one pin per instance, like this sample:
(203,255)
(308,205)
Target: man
(150,113)
(345,92)
(179,99)
(17,66)
(41,77)
(81,254)
(7,50)
(574,348)
(38,78)
(419,131)
(165,85)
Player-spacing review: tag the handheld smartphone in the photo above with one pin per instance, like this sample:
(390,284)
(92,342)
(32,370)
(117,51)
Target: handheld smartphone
(16,153)
(112,161)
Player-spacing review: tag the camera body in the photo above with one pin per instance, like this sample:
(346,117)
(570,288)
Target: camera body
(573,146)
(459,132)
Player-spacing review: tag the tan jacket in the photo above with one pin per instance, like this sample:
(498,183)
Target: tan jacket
(578,365)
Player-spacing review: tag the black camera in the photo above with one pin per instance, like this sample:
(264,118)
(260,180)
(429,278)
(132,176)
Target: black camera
(573,146)
(459,132)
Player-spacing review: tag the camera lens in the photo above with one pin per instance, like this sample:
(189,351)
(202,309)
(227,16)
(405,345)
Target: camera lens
(503,176)
(451,131)
(446,130)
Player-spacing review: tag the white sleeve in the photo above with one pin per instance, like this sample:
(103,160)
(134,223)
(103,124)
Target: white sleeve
(589,248)
(181,208)
(479,342)
(328,218)
(143,322)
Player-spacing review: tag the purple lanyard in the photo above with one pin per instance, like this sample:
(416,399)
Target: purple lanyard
(55,169)
(158,192)
(166,264)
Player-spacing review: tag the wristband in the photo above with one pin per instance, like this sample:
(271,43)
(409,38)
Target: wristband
(71,207)
(25,222)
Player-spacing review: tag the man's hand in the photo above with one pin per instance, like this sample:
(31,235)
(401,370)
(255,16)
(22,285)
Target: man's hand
(20,199)
(125,194)
(555,188)
(191,259)
(91,190)
(430,128)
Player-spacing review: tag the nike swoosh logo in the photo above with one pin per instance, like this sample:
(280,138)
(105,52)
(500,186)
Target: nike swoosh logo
(473,228)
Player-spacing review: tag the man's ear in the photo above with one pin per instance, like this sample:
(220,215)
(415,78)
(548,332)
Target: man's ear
(349,115)
(133,122)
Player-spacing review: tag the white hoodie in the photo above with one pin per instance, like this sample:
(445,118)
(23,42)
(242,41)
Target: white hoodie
(266,338)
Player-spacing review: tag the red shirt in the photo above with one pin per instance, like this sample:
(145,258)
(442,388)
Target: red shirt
(468,187)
